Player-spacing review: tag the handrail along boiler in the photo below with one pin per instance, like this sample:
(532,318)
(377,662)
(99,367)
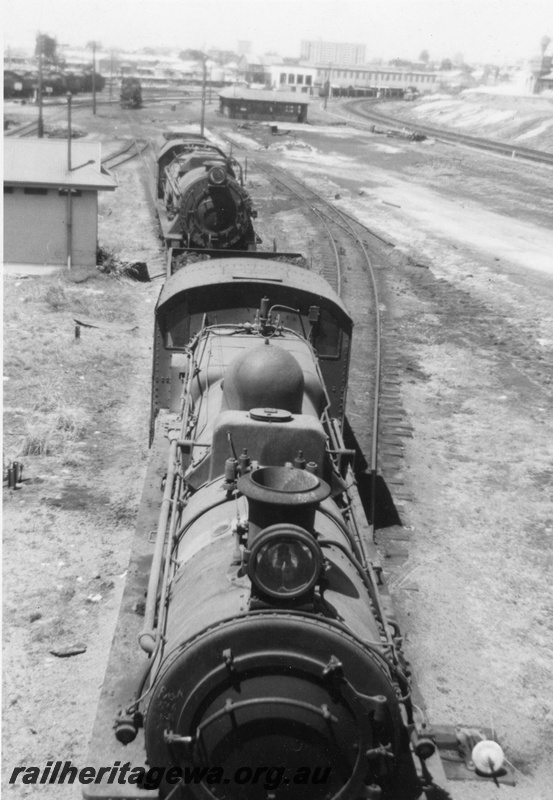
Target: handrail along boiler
(266,638)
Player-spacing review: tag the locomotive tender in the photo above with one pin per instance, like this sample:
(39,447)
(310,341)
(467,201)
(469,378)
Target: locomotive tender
(270,666)
(202,191)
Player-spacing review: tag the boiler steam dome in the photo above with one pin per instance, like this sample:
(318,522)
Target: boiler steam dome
(264,376)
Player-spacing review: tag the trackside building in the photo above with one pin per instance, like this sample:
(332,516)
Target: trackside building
(51,210)
(262,104)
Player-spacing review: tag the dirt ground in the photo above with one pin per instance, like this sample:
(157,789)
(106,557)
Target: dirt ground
(468,287)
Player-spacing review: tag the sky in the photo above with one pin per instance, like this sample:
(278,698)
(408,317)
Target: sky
(498,31)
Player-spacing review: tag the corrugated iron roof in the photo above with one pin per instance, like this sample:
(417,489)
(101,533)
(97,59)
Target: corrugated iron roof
(264,95)
(43,162)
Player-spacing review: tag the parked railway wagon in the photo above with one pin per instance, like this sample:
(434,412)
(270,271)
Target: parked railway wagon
(18,84)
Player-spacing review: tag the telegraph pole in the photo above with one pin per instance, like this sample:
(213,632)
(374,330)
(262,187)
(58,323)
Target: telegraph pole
(94,78)
(40,130)
(110,74)
(69,131)
(69,199)
(203,95)
(327,93)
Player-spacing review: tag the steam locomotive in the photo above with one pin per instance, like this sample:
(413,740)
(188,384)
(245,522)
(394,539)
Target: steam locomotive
(271,667)
(131,93)
(202,191)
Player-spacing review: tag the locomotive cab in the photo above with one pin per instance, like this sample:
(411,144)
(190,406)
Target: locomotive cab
(231,293)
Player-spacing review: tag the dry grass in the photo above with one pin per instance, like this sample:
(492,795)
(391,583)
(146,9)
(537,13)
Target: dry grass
(50,433)
(58,383)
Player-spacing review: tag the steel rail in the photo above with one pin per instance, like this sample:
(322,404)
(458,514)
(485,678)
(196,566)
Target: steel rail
(335,281)
(359,108)
(139,149)
(150,179)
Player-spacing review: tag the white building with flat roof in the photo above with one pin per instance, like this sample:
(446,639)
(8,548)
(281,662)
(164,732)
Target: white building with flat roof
(292,78)
(51,210)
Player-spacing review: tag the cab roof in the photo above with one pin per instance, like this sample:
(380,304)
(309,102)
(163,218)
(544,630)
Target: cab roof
(183,145)
(219,272)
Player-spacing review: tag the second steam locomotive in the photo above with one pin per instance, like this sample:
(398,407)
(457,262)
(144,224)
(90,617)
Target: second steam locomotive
(203,194)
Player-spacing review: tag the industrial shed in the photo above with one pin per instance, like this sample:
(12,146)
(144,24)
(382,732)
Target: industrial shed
(50,209)
(240,103)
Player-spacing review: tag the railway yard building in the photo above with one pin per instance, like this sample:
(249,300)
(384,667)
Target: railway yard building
(51,203)
(260,104)
(374,81)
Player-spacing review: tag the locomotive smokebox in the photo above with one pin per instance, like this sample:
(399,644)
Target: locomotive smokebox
(264,376)
(281,495)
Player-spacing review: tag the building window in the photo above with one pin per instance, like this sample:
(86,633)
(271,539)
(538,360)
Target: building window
(74,192)
(8,189)
(290,78)
(35,190)
(308,80)
(299,79)
(283,77)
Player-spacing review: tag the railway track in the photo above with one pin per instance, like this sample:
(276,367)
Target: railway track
(132,150)
(377,417)
(28,129)
(362,108)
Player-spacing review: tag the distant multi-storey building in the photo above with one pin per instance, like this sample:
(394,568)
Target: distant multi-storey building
(335,53)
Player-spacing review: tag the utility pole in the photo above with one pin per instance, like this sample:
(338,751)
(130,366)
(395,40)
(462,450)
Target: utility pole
(69,131)
(69,199)
(40,130)
(110,75)
(203,95)
(94,78)
(327,93)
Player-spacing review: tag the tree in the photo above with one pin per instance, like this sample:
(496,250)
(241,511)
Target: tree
(446,65)
(46,45)
(192,55)
(424,56)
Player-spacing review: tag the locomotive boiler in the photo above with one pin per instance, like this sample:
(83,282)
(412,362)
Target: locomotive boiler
(271,668)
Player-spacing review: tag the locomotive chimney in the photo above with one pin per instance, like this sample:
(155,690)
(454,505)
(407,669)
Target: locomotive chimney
(281,495)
